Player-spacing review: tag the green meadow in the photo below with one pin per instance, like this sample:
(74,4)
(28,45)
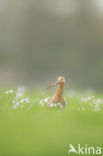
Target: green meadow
(28,128)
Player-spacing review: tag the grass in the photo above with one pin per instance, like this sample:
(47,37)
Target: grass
(34,130)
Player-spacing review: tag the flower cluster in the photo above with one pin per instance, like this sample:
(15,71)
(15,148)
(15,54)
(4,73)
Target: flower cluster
(77,101)
(50,104)
(93,102)
(9,91)
(19,100)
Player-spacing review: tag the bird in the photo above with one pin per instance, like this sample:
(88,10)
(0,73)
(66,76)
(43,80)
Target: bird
(58,98)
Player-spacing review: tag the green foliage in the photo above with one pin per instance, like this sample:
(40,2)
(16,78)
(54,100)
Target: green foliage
(39,131)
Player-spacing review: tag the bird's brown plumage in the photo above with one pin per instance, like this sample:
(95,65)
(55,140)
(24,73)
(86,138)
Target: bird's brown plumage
(58,98)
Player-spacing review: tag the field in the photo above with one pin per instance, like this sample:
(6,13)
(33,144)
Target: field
(28,128)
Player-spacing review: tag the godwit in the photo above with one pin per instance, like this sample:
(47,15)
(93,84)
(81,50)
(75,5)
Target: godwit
(57,99)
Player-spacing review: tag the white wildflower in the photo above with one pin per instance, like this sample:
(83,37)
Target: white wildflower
(9,91)
(61,106)
(20,92)
(22,100)
(51,105)
(46,100)
(25,100)
(41,102)
(89,98)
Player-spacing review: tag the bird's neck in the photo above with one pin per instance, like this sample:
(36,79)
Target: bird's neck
(60,90)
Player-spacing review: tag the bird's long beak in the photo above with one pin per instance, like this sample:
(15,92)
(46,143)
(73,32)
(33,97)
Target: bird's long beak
(53,84)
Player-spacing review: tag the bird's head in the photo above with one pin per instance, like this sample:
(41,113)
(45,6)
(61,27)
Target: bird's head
(60,81)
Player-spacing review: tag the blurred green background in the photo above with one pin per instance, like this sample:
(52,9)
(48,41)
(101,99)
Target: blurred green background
(40,40)
(33,130)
